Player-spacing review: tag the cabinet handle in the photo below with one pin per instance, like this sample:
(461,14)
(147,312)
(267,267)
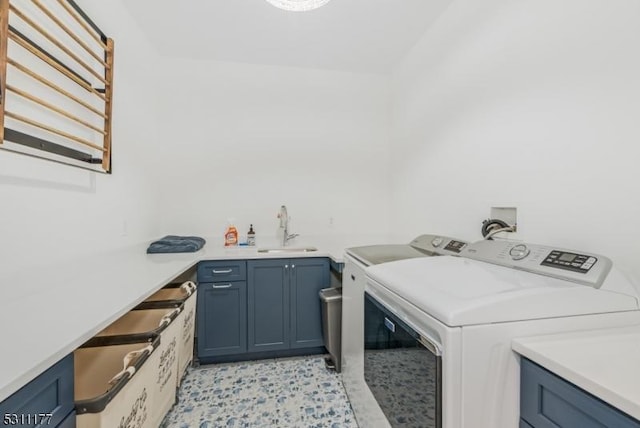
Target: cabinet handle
(391,326)
(293,266)
(353,278)
(286,266)
(223,271)
(221,286)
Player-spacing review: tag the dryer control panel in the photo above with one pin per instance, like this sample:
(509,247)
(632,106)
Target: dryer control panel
(576,266)
(570,261)
(438,245)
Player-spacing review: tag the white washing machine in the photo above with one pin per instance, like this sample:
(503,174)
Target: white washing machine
(353,284)
(438,331)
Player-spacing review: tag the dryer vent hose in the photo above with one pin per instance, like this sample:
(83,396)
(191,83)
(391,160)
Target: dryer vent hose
(491,226)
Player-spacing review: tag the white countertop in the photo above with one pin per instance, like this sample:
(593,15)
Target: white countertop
(605,363)
(47,313)
(328,246)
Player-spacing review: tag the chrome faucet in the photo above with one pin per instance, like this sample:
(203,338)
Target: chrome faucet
(284,224)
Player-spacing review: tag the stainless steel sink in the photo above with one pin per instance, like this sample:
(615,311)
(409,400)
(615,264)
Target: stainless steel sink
(288,250)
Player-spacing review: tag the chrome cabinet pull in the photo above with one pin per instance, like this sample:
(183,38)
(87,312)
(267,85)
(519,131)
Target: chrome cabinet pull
(221,286)
(293,266)
(390,325)
(223,271)
(286,266)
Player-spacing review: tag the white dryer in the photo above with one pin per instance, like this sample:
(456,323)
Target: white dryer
(357,259)
(438,330)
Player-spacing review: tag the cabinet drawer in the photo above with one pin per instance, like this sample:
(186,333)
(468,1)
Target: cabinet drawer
(223,270)
(548,401)
(51,392)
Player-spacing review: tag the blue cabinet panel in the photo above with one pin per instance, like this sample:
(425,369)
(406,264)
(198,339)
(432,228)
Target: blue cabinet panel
(222,318)
(69,421)
(548,401)
(268,305)
(524,424)
(277,309)
(223,270)
(308,277)
(51,392)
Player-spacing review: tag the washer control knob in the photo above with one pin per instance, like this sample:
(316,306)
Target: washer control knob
(519,252)
(436,242)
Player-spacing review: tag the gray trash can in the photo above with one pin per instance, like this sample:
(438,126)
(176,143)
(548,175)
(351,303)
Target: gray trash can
(331,323)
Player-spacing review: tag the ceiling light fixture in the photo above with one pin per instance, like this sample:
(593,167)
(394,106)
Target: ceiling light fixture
(298,5)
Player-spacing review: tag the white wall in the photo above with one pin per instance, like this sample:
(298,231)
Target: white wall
(533,104)
(51,212)
(245,139)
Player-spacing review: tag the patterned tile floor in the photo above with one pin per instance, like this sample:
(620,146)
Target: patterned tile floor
(290,392)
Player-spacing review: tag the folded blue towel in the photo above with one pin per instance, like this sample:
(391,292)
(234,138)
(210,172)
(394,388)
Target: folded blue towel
(176,244)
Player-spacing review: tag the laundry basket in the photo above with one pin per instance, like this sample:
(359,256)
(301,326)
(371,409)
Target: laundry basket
(112,383)
(142,324)
(185,293)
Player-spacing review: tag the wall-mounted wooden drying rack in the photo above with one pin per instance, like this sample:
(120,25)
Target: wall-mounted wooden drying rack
(56,84)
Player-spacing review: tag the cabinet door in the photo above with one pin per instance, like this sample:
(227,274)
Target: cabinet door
(69,421)
(308,277)
(222,318)
(548,401)
(268,305)
(50,393)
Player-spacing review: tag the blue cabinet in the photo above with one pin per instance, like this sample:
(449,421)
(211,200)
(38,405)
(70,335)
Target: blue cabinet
(548,401)
(223,270)
(222,311)
(268,304)
(284,309)
(523,424)
(260,308)
(308,277)
(69,421)
(51,393)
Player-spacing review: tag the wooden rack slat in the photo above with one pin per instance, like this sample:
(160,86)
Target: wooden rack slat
(4,31)
(52,130)
(16,38)
(106,158)
(56,42)
(55,87)
(53,108)
(69,32)
(83,24)
(66,57)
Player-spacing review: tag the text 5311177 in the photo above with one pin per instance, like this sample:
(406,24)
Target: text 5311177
(19,419)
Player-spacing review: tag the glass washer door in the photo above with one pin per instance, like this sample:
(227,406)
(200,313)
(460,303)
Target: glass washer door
(402,369)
